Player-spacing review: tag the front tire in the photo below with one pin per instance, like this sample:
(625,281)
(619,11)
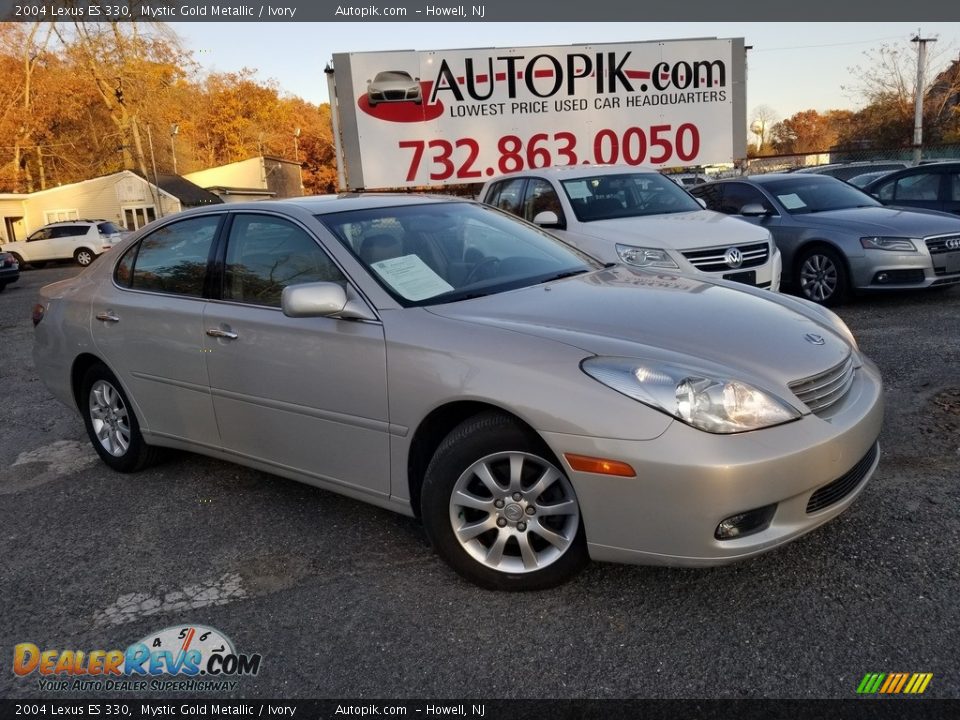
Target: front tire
(111,423)
(83,256)
(821,276)
(499,509)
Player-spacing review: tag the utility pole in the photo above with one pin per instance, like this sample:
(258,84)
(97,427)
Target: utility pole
(918,96)
(174,129)
(156,181)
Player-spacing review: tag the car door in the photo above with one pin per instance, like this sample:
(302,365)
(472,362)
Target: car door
(64,240)
(38,245)
(148,327)
(301,394)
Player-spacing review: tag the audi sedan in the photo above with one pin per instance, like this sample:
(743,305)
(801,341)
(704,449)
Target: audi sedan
(442,359)
(836,239)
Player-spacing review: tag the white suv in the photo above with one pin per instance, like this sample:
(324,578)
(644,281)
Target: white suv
(81,240)
(636,216)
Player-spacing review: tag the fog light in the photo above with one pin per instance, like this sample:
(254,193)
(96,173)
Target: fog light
(882,277)
(745,523)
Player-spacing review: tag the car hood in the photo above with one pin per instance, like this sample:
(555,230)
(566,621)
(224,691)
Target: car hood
(682,231)
(627,312)
(884,221)
(394,85)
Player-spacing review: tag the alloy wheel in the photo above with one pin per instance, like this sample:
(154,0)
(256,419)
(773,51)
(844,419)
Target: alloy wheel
(108,414)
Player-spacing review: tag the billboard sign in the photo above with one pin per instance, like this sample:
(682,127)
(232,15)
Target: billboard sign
(412,118)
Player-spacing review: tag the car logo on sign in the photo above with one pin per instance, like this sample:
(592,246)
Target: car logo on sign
(814,338)
(733,257)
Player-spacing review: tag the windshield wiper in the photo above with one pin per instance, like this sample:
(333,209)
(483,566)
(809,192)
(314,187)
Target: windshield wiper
(562,275)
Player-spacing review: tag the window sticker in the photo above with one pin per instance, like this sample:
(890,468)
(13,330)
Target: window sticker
(411,277)
(791,201)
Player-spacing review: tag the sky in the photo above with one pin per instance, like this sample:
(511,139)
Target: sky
(792,66)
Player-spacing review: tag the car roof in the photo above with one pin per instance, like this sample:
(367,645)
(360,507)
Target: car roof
(326,204)
(568,171)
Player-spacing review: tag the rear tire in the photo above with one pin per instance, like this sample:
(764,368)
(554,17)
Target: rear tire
(499,509)
(111,423)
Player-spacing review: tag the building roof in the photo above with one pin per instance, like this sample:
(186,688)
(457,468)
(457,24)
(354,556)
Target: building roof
(188,193)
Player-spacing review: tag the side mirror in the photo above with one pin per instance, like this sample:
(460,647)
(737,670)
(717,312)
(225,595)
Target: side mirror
(753,210)
(546,219)
(322,299)
(417,79)
(369,81)
(703,203)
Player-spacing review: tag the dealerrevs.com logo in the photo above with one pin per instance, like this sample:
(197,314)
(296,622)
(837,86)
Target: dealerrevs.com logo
(182,658)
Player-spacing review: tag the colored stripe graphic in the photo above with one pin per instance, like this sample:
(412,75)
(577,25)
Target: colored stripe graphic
(894,683)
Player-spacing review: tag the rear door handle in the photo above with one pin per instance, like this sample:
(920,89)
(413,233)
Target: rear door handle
(225,334)
(107,316)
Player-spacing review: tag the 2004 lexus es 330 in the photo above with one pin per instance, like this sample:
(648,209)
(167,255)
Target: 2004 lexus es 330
(445,360)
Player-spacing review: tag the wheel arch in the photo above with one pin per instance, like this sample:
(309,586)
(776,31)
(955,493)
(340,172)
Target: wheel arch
(435,427)
(813,243)
(81,364)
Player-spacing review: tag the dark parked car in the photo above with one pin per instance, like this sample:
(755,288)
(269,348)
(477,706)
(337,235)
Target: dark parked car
(9,270)
(934,187)
(845,171)
(835,238)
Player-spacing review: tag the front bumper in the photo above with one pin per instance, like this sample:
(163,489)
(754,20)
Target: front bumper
(688,481)
(883,270)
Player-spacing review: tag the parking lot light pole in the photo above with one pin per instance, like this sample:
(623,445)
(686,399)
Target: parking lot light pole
(174,130)
(918,97)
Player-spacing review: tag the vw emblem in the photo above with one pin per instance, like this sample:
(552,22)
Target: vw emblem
(733,257)
(814,338)
(953,244)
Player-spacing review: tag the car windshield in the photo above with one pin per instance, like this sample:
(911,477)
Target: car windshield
(817,193)
(392,75)
(448,251)
(602,197)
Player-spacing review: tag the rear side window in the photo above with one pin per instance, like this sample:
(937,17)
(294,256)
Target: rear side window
(507,195)
(107,228)
(65,231)
(173,259)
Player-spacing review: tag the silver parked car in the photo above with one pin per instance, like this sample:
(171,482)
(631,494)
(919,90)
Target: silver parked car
(835,238)
(445,360)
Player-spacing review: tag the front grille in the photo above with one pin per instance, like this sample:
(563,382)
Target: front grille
(844,485)
(939,245)
(395,94)
(713,260)
(823,390)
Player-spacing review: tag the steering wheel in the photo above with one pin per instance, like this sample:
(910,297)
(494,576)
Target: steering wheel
(476,272)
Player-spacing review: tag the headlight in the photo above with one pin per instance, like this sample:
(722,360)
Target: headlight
(896,244)
(645,257)
(714,404)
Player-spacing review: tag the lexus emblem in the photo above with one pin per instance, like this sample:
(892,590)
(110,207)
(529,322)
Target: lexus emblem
(814,338)
(733,257)
(953,244)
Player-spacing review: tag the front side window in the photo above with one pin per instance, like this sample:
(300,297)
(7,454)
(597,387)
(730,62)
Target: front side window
(922,186)
(541,197)
(42,234)
(266,254)
(737,194)
(173,259)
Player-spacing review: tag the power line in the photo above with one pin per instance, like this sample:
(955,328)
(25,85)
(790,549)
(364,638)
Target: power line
(805,47)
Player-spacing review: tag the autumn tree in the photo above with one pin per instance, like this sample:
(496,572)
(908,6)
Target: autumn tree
(886,82)
(809,131)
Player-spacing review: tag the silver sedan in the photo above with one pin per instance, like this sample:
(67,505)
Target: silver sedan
(447,361)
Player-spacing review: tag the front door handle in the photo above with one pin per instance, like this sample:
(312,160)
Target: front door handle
(225,334)
(107,316)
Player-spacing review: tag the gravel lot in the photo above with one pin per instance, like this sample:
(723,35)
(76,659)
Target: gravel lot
(345,600)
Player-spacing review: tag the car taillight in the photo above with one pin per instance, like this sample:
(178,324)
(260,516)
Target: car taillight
(38,312)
